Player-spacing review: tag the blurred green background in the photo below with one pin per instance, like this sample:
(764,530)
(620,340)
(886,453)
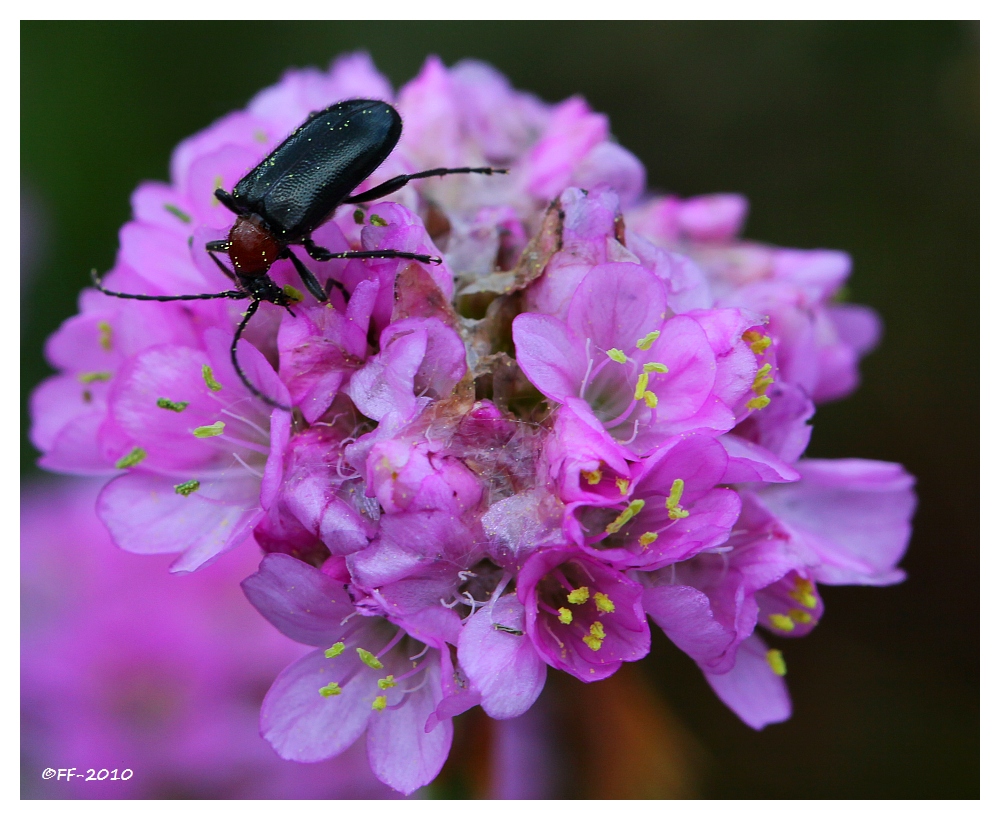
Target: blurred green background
(862,137)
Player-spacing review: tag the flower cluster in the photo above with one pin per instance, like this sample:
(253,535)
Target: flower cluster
(591,416)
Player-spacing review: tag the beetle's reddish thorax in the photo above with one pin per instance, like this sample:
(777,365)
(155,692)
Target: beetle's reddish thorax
(253,248)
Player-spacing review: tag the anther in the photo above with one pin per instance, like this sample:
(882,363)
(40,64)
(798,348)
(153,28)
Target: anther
(782,622)
(758,403)
(130,460)
(167,404)
(641,384)
(804,593)
(377,221)
(646,341)
(94,376)
(758,343)
(592,476)
(647,538)
(580,595)
(674,508)
(565,616)
(379,703)
(210,382)
(762,381)
(655,367)
(210,430)
(617,355)
(105,330)
(368,659)
(330,690)
(622,485)
(800,616)
(650,398)
(187,487)
(603,602)
(386,683)
(596,637)
(335,650)
(293,293)
(626,515)
(777,662)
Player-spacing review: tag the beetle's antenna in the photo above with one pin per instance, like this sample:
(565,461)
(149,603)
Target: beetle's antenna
(251,310)
(187,297)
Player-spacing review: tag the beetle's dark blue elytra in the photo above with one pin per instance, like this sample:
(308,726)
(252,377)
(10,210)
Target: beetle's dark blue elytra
(294,190)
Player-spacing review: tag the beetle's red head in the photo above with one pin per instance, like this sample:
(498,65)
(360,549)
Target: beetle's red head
(252,246)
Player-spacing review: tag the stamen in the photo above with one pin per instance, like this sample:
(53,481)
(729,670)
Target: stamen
(335,650)
(617,355)
(650,398)
(210,430)
(294,294)
(330,689)
(782,622)
(603,602)
(210,382)
(386,683)
(632,510)
(105,330)
(167,404)
(379,703)
(800,616)
(758,343)
(622,484)
(758,403)
(565,616)
(187,487)
(655,367)
(130,460)
(646,341)
(762,381)
(377,221)
(674,508)
(592,476)
(777,662)
(804,593)
(641,384)
(580,595)
(596,637)
(368,659)
(96,376)
(647,538)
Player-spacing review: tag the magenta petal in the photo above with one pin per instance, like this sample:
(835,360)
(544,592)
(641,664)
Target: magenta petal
(685,615)
(401,753)
(502,665)
(303,725)
(299,600)
(616,305)
(145,515)
(548,354)
(751,462)
(751,688)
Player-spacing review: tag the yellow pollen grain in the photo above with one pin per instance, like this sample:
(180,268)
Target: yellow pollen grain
(330,689)
(580,595)
(650,398)
(758,403)
(626,515)
(646,341)
(777,662)
(379,703)
(334,650)
(622,485)
(368,659)
(782,622)
(105,330)
(655,367)
(565,616)
(617,355)
(603,602)
(647,538)
(641,384)
(593,476)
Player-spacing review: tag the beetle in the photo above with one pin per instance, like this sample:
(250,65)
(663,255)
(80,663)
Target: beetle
(293,191)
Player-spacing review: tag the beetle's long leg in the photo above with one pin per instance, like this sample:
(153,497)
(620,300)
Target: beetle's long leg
(396,183)
(218,261)
(308,278)
(187,297)
(251,310)
(322,254)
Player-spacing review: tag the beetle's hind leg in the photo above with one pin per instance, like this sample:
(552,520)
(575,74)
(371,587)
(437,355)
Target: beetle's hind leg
(394,184)
(323,255)
(186,297)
